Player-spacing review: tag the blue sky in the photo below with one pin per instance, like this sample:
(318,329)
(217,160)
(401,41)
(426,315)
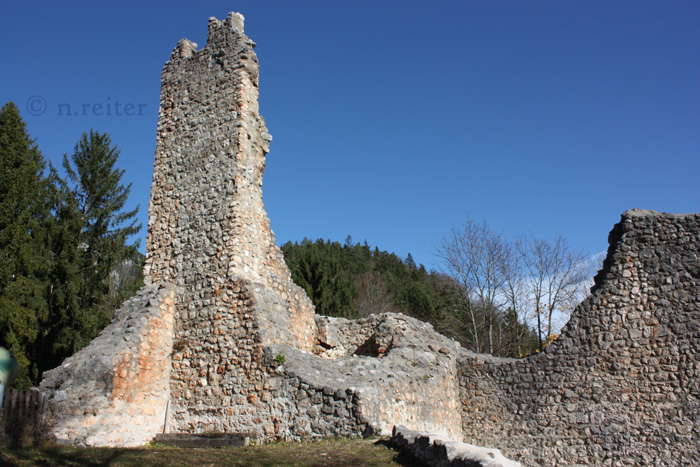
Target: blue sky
(394,120)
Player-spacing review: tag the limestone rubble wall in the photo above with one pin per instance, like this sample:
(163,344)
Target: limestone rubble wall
(210,235)
(115,391)
(621,384)
(207,224)
(397,369)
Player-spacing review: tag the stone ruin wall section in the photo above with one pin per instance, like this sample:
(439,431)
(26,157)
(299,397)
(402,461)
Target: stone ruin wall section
(116,391)
(207,224)
(620,385)
(209,234)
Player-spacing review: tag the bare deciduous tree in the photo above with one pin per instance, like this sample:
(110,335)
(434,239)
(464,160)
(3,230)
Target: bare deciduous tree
(373,295)
(556,279)
(515,292)
(505,284)
(474,254)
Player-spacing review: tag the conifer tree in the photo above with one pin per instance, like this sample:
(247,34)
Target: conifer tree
(23,255)
(92,235)
(62,331)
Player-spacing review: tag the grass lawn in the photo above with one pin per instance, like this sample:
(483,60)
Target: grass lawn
(325,453)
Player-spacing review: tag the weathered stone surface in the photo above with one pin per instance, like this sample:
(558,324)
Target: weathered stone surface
(210,235)
(116,390)
(432,450)
(621,384)
(384,371)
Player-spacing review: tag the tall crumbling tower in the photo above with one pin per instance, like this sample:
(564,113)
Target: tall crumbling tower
(186,353)
(207,225)
(220,338)
(209,234)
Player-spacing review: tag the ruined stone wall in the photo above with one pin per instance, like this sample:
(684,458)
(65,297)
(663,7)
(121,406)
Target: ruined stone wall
(207,223)
(220,339)
(115,392)
(210,235)
(621,384)
(399,370)
(241,350)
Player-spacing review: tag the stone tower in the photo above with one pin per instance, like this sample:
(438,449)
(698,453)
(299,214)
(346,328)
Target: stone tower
(208,231)
(200,348)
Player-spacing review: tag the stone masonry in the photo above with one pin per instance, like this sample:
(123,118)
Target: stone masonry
(621,384)
(221,340)
(115,390)
(247,354)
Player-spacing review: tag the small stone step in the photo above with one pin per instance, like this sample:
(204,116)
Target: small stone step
(203,440)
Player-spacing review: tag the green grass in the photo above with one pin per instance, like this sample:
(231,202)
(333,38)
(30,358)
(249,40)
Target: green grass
(325,453)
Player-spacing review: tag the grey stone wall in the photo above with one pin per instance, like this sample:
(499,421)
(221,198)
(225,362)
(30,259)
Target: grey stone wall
(620,386)
(115,392)
(397,369)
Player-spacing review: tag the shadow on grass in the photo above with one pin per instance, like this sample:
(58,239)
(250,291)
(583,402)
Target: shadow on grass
(52,456)
(402,457)
(322,456)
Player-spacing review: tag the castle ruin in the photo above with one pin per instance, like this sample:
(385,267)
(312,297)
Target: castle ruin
(221,340)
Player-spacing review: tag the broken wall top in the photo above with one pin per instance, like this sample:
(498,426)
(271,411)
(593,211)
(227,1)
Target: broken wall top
(207,226)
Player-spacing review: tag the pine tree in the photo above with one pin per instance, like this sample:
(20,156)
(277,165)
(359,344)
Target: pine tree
(24,258)
(91,236)
(410,262)
(62,331)
(316,267)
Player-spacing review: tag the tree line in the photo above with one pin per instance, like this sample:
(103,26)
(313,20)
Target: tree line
(65,259)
